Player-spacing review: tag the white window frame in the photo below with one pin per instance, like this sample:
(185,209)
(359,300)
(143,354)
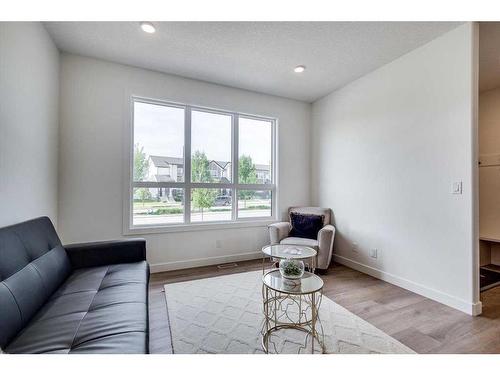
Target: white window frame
(187,185)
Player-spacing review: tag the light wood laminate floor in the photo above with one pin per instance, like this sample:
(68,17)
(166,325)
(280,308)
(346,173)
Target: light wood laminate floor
(419,323)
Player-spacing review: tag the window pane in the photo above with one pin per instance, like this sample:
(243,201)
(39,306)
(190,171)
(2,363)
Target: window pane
(158,143)
(211,205)
(254,203)
(210,147)
(254,148)
(156,206)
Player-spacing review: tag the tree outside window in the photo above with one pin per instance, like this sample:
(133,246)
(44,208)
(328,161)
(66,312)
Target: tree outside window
(247,175)
(200,172)
(141,167)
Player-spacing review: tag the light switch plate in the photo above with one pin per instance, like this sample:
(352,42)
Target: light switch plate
(457,187)
(374,253)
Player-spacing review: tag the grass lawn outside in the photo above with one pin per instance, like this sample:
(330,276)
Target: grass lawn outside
(157,213)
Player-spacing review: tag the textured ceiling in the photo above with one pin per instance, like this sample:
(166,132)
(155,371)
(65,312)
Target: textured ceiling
(258,56)
(489,55)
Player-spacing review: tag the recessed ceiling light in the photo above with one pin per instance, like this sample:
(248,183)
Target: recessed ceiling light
(299,69)
(148,27)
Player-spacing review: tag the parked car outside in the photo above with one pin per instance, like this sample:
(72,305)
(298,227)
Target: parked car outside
(222,200)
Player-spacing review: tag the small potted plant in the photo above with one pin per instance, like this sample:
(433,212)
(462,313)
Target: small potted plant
(291,269)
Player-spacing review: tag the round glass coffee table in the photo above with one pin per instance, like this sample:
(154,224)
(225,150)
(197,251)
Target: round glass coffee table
(292,305)
(277,252)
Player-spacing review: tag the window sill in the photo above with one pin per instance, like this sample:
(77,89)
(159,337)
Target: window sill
(198,227)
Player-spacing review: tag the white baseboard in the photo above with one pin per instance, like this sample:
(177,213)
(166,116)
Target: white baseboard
(446,299)
(199,262)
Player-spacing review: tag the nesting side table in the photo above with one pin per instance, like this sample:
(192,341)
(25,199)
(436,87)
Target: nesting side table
(292,306)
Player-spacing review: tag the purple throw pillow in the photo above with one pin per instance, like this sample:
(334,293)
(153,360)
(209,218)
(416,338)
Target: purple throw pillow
(306,225)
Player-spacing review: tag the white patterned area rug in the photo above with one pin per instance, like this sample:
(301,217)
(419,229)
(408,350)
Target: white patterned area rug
(224,315)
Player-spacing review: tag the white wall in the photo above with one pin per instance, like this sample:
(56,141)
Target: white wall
(386,150)
(489,176)
(29,96)
(94,116)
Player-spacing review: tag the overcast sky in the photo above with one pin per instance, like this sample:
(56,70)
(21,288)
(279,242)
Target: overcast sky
(161,131)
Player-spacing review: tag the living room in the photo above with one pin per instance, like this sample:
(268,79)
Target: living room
(248,186)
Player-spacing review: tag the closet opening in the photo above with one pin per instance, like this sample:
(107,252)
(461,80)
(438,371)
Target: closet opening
(489,166)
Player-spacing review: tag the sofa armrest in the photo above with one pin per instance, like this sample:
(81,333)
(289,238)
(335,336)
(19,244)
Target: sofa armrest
(326,235)
(94,254)
(279,231)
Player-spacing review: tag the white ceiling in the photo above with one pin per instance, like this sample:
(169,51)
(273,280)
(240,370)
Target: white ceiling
(489,55)
(258,56)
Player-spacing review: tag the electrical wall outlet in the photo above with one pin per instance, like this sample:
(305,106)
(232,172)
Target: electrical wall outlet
(355,247)
(374,253)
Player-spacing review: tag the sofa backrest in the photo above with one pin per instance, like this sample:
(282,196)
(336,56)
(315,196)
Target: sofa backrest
(326,212)
(33,264)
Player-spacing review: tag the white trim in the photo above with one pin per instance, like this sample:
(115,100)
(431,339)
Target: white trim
(477,308)
(202,185)
(128,160)
(166,101)
(187,166)
(182,264)
(444,298)
(196,227)
(274,171)
(235,141)
(474,186)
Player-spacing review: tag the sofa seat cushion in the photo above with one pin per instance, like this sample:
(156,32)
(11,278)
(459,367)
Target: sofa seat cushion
(300,242)
(96,310)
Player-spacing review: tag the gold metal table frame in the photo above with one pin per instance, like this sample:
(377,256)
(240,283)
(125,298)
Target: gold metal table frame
(297,309)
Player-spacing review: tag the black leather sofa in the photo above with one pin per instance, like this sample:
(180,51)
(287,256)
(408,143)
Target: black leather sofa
(84,298)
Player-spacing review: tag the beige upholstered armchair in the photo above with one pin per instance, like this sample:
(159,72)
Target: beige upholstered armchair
(279,233)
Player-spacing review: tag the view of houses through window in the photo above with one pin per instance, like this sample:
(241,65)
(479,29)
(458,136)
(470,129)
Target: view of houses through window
(163,194)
